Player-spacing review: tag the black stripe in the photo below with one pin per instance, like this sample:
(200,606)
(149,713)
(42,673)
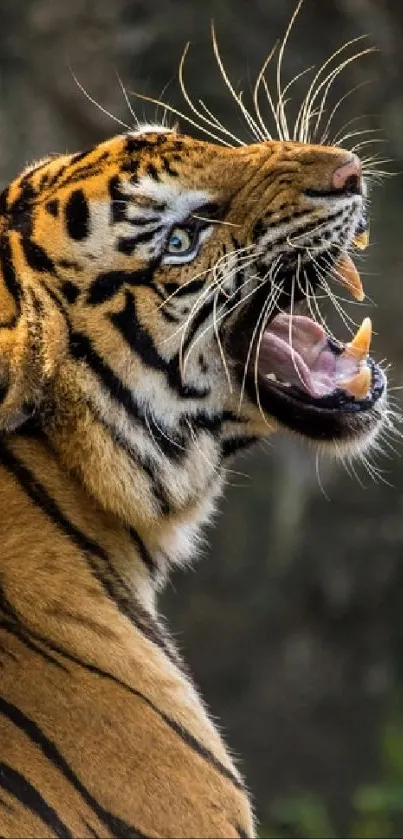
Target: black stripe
(82,349)
(129,244)
(4,196)
(144,553)
(144,141)
(168,168)
(189,739)
(20,211)
(14,629)
(80,155)
(69,291)
(77,214)
(52,207)
(140,221)
(190,287)
(283,239)
(9,275)
(141,460)
(202,315)
(140,341)
(18,786)
(70,263)
(91,830)
(108,283)
(113,585)
(152,171)
(182,732)
(118,199)
(54,180)
(117,827)
(36,256)
(94,167)
(232,445)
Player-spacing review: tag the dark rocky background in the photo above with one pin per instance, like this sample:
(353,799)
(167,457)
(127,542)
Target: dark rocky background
(293,623)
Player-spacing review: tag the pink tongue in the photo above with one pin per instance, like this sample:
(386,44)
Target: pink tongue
(296,351)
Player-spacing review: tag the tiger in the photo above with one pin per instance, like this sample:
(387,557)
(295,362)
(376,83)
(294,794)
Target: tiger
(153,323)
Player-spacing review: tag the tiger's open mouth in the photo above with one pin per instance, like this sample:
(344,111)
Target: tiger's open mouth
(296,355)
(308,380)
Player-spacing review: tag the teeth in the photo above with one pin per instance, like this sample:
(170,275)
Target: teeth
(273,378)
(350,277)
(359,346)
(361,241)
(359,385)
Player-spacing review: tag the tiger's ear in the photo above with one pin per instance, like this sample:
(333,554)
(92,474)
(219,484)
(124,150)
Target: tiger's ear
(33,340)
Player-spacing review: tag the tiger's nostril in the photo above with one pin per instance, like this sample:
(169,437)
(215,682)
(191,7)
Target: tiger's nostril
(348,177)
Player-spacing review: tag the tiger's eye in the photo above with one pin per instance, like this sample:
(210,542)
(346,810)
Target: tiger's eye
(179,241)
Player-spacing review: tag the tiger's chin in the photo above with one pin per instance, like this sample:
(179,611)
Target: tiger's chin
(308,382)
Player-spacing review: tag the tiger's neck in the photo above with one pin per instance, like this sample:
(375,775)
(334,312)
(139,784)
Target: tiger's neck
(70,559)
(89,489)
(106,503)
(157,480)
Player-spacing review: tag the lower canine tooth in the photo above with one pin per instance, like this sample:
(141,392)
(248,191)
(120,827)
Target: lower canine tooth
(359,385)
(359,346)
(272,377)
(349,277)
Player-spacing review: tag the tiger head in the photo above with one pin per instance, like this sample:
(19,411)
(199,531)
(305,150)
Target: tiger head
(150,310)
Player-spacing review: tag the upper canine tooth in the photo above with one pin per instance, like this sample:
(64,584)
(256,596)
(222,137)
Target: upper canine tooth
(359,384)
(359,346)
(361,241)
(349,277)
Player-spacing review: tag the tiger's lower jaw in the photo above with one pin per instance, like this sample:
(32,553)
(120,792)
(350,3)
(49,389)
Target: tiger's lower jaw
(335,421)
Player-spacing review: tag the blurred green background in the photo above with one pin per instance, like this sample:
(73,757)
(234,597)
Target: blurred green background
(293,623)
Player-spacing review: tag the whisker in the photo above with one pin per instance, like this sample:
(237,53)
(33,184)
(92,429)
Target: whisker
(325,132)
(263,321)
(285,134)
(302,121)
(211,122)
(248,117)
(97,104)
(359,133)
(255,95)
(222,258)
(201,335)
(183,116)
(127,100)
(328,81)
(219,343)
(268,307)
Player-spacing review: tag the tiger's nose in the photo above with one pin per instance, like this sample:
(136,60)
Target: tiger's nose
(348,177)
